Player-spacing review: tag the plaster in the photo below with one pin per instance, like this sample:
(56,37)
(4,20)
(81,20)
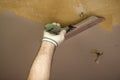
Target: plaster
(65,11)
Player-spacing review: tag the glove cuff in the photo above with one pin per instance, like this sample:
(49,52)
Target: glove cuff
(50,40)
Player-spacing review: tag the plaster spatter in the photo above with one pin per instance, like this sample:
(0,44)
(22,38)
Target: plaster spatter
(65,11)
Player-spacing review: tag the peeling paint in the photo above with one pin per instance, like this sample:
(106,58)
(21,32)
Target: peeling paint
(97,54)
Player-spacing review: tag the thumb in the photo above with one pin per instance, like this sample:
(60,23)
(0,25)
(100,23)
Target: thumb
(63,32)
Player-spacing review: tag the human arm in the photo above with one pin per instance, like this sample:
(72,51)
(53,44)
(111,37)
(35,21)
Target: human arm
(41,66)
(40,69)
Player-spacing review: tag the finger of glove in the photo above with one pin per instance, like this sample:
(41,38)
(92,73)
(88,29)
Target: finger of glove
(63,32)
(57,24)
(54,23)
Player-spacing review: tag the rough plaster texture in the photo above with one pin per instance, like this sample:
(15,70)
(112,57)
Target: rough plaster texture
(65,11)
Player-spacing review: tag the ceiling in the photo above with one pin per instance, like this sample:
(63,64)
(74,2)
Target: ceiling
(20,40)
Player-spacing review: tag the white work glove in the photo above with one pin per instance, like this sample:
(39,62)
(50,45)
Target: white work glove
(53,38)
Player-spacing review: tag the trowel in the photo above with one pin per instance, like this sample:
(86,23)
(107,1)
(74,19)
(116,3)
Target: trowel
(83,25)
(73,30)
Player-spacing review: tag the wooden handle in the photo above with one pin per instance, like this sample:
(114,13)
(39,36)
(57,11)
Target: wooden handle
(84,25)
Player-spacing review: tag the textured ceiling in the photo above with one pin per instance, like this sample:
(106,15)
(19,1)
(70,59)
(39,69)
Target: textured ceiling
(65,11)
(20,40)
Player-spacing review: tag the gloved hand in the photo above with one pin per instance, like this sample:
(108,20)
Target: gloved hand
(56,39)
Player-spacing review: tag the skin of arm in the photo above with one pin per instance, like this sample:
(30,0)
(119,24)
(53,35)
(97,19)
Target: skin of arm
(41,66)
(40,69)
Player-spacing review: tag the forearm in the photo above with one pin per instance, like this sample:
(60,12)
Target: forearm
(40,69)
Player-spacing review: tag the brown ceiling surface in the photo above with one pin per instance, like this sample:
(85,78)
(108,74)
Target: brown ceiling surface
(20,40)
(65,11)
